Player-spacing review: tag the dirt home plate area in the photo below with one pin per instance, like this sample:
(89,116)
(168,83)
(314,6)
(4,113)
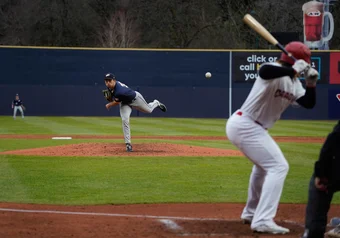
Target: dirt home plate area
(140,220)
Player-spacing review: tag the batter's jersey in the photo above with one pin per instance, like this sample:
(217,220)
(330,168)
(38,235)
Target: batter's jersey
(268,99)
(17,102)
(122,93)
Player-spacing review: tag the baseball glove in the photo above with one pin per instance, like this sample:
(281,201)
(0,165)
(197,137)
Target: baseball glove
(107,95)
(23,108)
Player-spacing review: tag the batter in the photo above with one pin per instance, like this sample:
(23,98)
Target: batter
(276,87)
(118,93)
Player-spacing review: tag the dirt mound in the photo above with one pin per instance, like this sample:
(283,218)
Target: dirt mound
(112,149)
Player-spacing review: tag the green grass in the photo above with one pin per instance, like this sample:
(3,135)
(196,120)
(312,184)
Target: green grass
(121,180)
(148,126)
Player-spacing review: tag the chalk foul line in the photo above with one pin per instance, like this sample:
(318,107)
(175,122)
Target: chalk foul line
(109,214)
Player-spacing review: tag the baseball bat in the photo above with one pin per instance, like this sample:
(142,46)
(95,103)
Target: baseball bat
(256,26)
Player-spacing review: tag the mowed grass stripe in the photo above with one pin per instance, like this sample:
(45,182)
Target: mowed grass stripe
(21,126)
(133,180)
(145,180)
(149,126)
(296,131)
(101,127)
(190,126)
(11,186)
(59,126)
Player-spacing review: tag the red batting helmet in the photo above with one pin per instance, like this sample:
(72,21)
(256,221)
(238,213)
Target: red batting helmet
(298,50)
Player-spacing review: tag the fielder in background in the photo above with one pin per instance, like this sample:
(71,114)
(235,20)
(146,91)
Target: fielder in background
(118,93)
(324,182)
(17,105)
(277,87)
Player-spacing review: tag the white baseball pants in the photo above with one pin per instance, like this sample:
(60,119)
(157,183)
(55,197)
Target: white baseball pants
(125,111)
(269,171)
(16,108)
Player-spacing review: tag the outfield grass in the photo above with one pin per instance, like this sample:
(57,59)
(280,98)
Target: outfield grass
(104,180)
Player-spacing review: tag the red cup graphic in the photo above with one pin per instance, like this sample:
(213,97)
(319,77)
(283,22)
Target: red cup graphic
(313,22)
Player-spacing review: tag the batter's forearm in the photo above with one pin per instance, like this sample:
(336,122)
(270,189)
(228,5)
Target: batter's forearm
(309,99)
(268,71)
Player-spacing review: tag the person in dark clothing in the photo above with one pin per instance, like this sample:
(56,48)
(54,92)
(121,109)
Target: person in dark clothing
(324,182)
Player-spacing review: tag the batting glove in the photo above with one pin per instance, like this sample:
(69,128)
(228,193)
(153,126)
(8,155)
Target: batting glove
(311,76)
(300,66)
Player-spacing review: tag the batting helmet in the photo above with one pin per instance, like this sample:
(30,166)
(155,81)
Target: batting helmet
(109,76)
(298,50)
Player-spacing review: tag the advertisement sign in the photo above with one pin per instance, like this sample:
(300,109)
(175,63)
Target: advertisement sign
(318,24)
(245,65)
(334,103)
(334,68)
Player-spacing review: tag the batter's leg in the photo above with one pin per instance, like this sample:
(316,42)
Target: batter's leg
(141,105)
(125,112)
(254,193)
(255,142)
(21,112)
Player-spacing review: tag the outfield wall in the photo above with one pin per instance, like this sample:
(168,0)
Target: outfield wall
(68,82)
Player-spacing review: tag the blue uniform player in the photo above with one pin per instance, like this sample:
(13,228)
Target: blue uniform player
(17,105)
(118,93)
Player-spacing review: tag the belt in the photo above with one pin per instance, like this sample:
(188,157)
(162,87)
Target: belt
(257,122)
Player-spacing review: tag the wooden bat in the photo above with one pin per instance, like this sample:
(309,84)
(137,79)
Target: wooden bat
(256,26)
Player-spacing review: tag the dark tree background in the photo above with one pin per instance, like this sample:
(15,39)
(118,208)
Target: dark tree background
(211,24)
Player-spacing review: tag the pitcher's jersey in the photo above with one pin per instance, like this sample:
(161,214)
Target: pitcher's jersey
(268,99)
(122,93)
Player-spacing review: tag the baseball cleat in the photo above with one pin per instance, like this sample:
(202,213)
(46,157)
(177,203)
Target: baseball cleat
(128,147)
(272,229)
(335,221)
(334,233)
(162,107)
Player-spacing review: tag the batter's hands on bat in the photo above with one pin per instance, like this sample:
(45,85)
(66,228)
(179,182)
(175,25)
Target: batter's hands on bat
(300,66)
(311,76)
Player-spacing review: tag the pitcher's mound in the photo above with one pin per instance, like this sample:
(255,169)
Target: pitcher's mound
(114,149)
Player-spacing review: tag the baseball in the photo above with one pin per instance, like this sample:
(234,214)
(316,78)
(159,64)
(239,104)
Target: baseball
(208,75)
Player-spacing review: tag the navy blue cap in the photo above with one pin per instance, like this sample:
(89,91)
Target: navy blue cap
(109,76)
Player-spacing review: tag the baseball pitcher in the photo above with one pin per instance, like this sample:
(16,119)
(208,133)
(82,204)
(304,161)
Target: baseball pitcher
(117,93)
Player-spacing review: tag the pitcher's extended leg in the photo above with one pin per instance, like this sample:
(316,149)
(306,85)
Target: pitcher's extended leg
(141,105)
(125,112)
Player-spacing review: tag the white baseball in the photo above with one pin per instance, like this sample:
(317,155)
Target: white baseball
(208,75)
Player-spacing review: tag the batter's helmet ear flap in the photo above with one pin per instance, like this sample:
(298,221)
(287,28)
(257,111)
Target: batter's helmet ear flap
(299,50)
